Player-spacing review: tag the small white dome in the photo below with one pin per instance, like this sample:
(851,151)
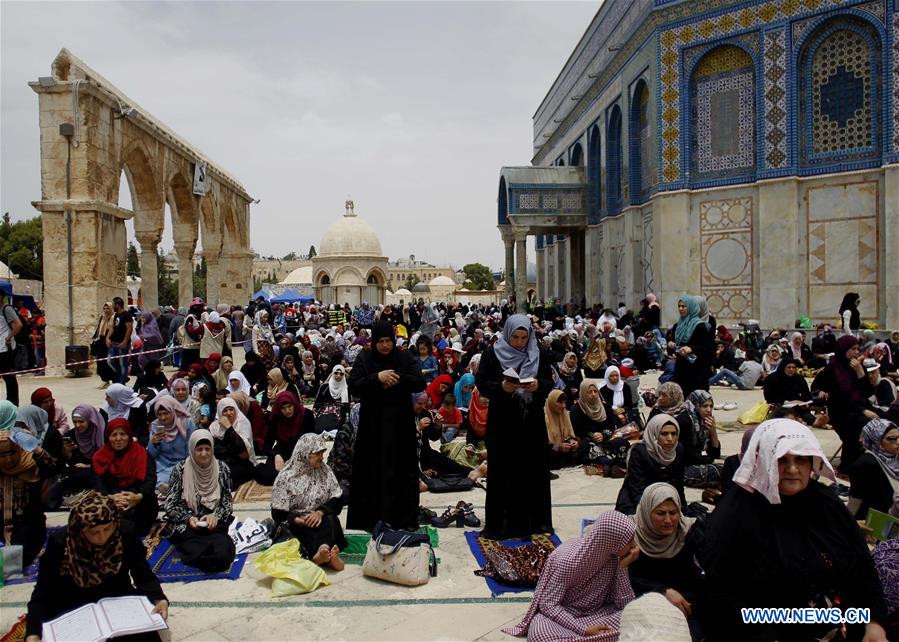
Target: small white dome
(300,275)
(402,292)
(350,236)
(442,281)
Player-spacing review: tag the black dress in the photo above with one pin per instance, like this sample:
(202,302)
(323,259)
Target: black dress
(55,593)
(266,473)
(643,470)
(385,458)
(518,495)
(328,532)
(144,514)
(692,374)
(800,553)
(870,485)
(612,451)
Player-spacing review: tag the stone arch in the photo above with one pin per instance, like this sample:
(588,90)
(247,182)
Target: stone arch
(502,214)
(348,276)
(722,114)
(840,77)
(378,275)
(322,278)
(640,143)
(594,174)
(613,161)
(181,200)
(146,192)
(577,155)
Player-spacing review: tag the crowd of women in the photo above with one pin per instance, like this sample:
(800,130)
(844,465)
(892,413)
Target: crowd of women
(508,397)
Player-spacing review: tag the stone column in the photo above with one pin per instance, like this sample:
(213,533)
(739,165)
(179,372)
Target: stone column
(591,270)
(149,274)
(213,278)
(563,276)
(541,275)
(509,244)
(576,250)
(185,252)
(521,269)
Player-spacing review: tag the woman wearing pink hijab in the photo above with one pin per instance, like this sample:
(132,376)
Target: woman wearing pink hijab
(584,586)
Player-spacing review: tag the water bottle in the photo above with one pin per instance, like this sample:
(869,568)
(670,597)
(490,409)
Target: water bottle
(24,439)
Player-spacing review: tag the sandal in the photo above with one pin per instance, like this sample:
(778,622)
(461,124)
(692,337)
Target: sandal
(471,520)
(451,514)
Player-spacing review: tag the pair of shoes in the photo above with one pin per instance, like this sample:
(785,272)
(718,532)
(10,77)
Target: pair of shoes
(718,406)
(451,514)
(730,405)
(425,515)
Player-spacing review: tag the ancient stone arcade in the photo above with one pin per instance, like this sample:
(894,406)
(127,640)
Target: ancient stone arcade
(111,133)
(744,150)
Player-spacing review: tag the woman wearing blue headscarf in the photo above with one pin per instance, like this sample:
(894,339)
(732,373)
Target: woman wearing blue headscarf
(694,344)
(518,496)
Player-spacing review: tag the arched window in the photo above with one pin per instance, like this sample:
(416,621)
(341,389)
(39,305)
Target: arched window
(840,84)
(639,132)
(594,175)
(722,115)
(372,279)
(325,280)
(502,216)
(613,162)
(577,155)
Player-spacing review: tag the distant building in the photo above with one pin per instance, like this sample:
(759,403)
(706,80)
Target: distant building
(399,271)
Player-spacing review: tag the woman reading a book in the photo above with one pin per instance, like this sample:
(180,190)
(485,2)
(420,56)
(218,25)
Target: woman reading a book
(91,559)
(518,497)
(875,475)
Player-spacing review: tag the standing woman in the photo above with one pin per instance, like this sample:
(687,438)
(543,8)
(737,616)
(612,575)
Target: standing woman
(385,458)
(850,319)
(307,495)
(518,497)
(92,558)
(152,338)
(693,340)
(198,507)
(100,350)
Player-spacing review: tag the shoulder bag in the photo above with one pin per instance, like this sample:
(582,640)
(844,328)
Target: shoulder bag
(399,557)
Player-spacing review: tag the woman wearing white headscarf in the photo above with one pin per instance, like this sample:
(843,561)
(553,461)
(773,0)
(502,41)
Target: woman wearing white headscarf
(781,539)
(234,445)
(122,401)
(237,382)
(306,496)
(198,507)
(263,339)
(332,403)
(518,497)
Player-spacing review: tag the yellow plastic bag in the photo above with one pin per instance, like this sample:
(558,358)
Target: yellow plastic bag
(293,574)
(755,415)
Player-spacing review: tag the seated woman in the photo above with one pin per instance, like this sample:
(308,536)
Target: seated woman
(122,401)
(277,383)
(168,443)
(798,351)
(584,585)
(340,459)
(618,398)
(562,441)
(594,431)
(332,403)
(234,442)
(429,425)
(806,550)
(570,374)
(875,475)
(92,558)
(254,370)
(666,564)
(198,507)
(306,496)
(477,419)
(180,390)
(657,458)
(289,420)
(151,377)
(462,392)
(124,471)
(309,382)
(701,444)
(22,518)
(254,412)
(786,385)
(237,383)
(289,369)
(430,368)
(438,388)
(59,453)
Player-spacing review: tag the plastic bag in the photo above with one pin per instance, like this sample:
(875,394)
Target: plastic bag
(293,574)
(755,415)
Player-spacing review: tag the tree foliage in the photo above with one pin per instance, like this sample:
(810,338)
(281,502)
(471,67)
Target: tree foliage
(22,247)
(478,277)
(168,287)
(290,257)
(411,281)
(200,279)
(133,261)
(312,251)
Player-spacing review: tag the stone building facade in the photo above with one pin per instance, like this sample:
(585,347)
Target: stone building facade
(747,151)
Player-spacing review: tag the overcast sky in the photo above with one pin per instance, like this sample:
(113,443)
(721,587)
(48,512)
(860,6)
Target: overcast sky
(410,108)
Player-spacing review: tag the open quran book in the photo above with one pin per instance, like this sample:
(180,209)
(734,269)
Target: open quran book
(108,618)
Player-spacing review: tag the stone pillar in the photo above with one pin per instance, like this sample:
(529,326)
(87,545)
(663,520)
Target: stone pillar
(541,273)
(550,275)
(890,290)
(185,252)
(780,266)
(576,253)
(509,245)
(521,269)
(563,269)
(149,274)
(591,260)
(213,278)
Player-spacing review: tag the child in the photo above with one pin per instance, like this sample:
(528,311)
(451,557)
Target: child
(452,417)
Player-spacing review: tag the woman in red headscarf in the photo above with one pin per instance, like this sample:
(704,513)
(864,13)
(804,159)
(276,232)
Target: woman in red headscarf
(438,388)
(126,472)
(288,421)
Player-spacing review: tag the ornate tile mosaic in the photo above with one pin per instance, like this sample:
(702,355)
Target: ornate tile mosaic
(775,96)
(725,119)
(896,81)
(672,41)
(725,228)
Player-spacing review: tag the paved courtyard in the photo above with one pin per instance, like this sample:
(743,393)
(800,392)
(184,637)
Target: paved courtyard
(456,605)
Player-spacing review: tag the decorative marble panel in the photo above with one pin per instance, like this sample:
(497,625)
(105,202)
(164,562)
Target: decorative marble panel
(775,95)
(896,81)
(648,247)
(725,228)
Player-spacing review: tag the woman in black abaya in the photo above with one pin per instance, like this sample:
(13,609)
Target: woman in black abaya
(518,496)
(385,459)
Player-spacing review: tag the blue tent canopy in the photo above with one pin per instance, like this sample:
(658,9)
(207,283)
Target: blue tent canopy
(265,294)
(292,296)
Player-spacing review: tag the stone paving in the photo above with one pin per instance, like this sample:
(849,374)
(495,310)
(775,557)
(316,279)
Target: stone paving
(456,605)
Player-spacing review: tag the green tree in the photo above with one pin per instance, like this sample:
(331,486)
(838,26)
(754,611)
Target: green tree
(478,277)
(168,287)
(200,279)
(22,248)
(312,251)
(290,257)
(411,281)
(133,261)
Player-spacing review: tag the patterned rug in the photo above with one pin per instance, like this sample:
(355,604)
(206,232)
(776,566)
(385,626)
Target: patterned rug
(252,492)
(17,632)
(477,545)
(357,544)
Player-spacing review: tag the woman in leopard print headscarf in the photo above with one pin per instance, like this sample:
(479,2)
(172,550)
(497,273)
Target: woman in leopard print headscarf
(86,563)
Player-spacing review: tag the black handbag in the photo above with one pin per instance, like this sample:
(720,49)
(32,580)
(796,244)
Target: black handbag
(448,483)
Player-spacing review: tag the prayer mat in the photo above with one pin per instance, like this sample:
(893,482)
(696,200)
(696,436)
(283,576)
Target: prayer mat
(17,632)
(357,544)
(478,544)
(250,491)
(165,561)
